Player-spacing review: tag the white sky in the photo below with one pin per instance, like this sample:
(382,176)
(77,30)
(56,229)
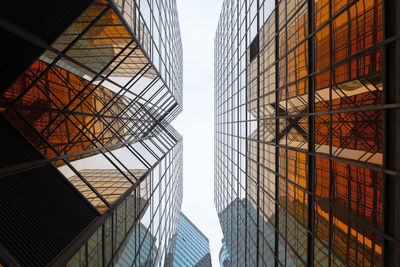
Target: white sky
(198,21)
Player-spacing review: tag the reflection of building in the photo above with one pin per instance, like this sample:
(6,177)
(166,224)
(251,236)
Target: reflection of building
(109,183)
(190,247)
(90,161)
(224,258)
(145,256)
(306,128)
(241,233)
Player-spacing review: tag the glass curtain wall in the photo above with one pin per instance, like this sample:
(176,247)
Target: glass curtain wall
(300,131)
(97,104)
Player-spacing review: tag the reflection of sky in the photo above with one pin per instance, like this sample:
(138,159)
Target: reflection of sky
(100,162)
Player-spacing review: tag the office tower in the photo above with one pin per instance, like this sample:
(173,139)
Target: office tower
(238,222)
(190,247)
(224,258)
(307,131)
(145,256)
(91,170)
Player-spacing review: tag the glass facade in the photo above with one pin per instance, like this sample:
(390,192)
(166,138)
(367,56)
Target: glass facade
(96,105)
(224,257)
(189,247)
(306,121)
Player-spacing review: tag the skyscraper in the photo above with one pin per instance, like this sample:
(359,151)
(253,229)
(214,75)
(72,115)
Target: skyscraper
(224,258)
(307,132)
(91,170)
(190,247)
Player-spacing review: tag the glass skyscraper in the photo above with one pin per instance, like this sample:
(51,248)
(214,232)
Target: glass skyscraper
(224,257)
(189,247)
(307,120)
(90,167)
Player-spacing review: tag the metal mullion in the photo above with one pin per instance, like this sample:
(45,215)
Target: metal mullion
(158,137)
(359,109)
(259,125)
(128,129)
(142,106)
(330,162)
(116,158)
(85,127)
(105,123)
(149,149)
(150,223)
(51,110)
(134,102)
(305,228)
(375,92)
(42,162)
(346,213)
(245,70)
(366,165)
(294,217)
(131,148)
(155,105)
(87,86)
(276,198)
(96,149)
(35,40)
(95,138)
(110,129)
(353,56)
(166,111)
(155,143)
(66,116)
(44,91)
(127,27)
(236,81)
(289,124)
(167,137)
(140,158)
(159,122)
(311,141)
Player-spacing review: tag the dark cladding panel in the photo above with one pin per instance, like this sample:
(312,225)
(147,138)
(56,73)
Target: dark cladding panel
(12,142)
(41,213)
(43,19)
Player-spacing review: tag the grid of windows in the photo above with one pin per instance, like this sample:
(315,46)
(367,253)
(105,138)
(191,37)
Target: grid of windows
(139,229)
(302,131)
(96,104)
(190,247)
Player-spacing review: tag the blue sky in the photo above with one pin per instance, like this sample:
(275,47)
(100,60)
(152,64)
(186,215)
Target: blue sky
(198,22)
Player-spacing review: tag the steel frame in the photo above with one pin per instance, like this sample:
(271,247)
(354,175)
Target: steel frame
(228,183)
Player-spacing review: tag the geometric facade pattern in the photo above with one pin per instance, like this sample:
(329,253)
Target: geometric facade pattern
(86,107)
(307,132)
(190,247)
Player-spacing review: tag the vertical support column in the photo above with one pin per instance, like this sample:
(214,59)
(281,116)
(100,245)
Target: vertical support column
(391,69)
(276,133)
(246,235)
(259,126)
(311,127)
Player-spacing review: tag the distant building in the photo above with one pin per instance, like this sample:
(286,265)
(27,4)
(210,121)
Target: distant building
(224,258)
(190,246)
(241,231)
(146,256)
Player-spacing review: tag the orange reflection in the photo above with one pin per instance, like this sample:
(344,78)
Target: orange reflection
(51,94)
